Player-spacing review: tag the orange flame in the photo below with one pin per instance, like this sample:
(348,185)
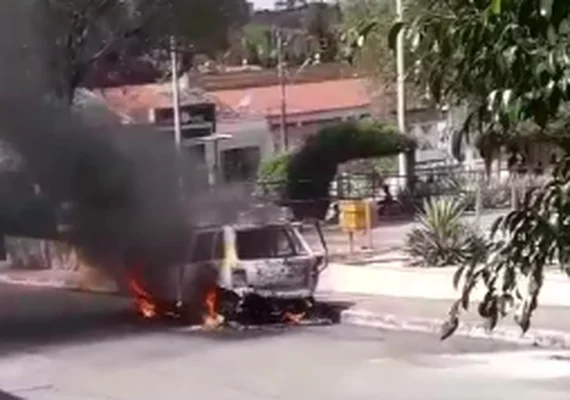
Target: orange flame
(142,298)
(294,318)
(212,319)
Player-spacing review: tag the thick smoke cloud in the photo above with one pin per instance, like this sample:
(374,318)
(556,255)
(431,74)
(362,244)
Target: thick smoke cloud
(123,181)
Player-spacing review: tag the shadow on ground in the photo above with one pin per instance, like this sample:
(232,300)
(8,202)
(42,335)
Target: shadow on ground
(324,314)
(8,396)
(37,318)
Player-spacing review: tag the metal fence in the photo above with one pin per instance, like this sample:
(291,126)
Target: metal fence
(500,190)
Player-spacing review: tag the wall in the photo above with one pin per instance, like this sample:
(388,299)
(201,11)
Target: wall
(246,133)
(300,126)
(242,133)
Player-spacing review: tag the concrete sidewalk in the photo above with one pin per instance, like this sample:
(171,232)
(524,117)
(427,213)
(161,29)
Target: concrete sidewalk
(388,236)
(391,295)
(91,281)
(397,279)
(550,325)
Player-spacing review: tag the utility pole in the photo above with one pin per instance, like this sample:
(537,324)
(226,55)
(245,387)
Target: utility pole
(401,92)
(175,95)
(177,143)
(176,111)
(282,84)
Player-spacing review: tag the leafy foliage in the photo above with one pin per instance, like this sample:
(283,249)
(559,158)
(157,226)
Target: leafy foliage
(314,165)
(320,22)
(531,237)
(78,33)
(274,169)
(258,45)
(443,239)
(367,26)
(373,55)
(509,60)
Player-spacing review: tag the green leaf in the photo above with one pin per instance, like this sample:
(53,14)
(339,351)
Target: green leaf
(496,6)
(546,8)
(393,34)
(457,276)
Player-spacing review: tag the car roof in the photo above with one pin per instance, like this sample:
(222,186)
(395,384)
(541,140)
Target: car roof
(242,226)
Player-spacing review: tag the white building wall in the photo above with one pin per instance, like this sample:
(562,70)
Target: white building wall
(246,133)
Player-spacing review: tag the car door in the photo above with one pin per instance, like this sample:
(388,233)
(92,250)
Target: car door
(273,260)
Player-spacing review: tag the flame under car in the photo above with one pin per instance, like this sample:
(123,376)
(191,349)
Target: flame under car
(253,273)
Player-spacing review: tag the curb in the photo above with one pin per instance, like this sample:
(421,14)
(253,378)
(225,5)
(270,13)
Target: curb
(55,284)
(535,337)
(51,283)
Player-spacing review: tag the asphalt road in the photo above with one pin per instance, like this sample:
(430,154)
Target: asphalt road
(63,345)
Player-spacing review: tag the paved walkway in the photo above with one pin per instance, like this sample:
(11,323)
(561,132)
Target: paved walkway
(397,279)
(386,238)
(550,325)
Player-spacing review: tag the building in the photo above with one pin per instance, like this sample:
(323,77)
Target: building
(309,106)
(229,145)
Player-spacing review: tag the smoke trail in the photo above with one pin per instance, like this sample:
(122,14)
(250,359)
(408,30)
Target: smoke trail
(123,181)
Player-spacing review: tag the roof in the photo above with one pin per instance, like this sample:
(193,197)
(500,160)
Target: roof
(302,98)
(135,101)
(93,107)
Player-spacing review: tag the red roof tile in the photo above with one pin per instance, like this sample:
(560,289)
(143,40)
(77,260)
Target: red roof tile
(135,101)
(301,98)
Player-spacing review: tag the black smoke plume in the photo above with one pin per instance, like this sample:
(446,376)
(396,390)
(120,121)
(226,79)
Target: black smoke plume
(123,181)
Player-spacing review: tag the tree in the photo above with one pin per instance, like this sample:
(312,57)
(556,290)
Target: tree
(320,22)
(77,34)
(258,45)
(311,169)
(373,56)
(366,25)
(509,62)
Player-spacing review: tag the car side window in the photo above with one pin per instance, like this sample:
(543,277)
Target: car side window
(208,246)
(283,244)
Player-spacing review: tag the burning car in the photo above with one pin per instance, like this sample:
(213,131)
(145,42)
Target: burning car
(247,272)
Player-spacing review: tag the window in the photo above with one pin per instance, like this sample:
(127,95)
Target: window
(208,246)
(267,242)
(241,164)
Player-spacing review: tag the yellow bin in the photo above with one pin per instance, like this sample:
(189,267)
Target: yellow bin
(354,215)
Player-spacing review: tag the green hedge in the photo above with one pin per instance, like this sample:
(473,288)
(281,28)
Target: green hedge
(274,170)
(311,169)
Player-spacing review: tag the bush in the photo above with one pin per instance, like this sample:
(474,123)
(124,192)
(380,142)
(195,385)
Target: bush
(313,167)
(272,175)
(442,238)
(274,169)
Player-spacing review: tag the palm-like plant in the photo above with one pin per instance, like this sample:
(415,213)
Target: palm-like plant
(442,238)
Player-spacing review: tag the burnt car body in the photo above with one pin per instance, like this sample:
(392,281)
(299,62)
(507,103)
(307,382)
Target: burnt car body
(259,271)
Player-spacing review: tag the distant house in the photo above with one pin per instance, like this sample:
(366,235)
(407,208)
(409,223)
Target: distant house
(235,150)
(314,105)
(309,106)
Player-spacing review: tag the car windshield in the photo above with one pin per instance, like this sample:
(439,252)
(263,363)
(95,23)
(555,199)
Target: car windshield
(267,242)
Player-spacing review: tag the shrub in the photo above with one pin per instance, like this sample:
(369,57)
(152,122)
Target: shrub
(313,167)
(442,238)
(272,175)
